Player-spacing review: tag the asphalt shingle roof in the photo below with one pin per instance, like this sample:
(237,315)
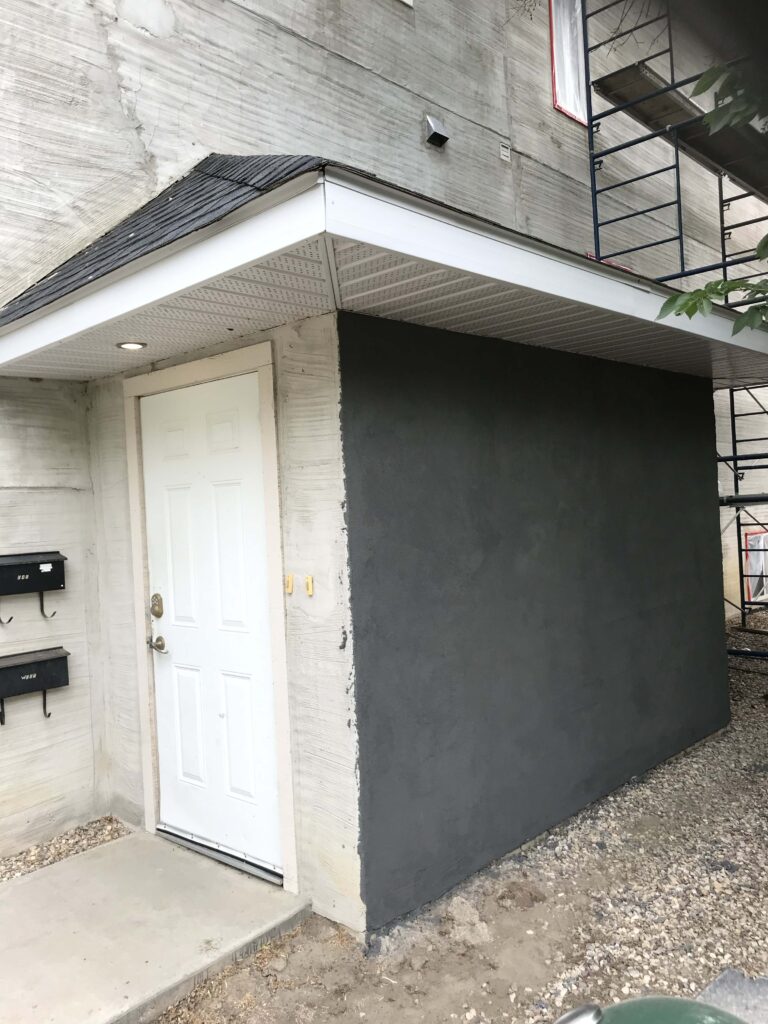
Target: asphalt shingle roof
(215,187)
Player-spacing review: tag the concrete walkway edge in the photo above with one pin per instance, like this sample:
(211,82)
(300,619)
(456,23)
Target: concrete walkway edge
(120,932)
(156,1004)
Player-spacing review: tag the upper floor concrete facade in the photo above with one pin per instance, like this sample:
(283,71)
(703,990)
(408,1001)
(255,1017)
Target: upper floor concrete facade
(105,102)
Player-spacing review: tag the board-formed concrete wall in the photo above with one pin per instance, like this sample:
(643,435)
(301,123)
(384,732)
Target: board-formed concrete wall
(64,484)
(536,590)
(112,627)
(318,629)
(319,640)
(46,503)
(155,85)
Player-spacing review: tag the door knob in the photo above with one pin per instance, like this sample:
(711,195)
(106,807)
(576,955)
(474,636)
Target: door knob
(157,644)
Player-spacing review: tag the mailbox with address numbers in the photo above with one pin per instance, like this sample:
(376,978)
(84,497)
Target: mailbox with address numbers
(32,672)
(32,573)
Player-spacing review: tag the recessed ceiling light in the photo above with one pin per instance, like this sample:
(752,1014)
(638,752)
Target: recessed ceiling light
(132,346)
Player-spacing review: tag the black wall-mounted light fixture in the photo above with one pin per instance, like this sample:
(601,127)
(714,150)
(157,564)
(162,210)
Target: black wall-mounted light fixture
(437,134)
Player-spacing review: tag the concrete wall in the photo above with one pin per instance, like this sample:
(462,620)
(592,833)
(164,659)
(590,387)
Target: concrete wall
(112,624)
(64,485)
(319,629)
(155,85)
(63,472)
(46,503)
(536,596)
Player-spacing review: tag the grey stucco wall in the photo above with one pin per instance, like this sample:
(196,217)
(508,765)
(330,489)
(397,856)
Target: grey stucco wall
(536,590)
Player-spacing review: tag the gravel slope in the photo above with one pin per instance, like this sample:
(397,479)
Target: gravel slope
(76,840)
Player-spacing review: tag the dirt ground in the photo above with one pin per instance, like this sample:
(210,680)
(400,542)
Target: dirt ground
(656,888)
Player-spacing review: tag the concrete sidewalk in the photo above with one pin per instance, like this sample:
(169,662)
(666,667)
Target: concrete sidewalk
(746,998)
(122,931)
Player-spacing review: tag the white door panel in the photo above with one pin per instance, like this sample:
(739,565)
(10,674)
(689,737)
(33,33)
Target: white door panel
(206,540)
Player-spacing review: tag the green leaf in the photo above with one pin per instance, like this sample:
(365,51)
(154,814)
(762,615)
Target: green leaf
(705,306)
(671,305)
(762,248)
(720,117)
(751,318)
(710,78)
(740,323)
(755,315)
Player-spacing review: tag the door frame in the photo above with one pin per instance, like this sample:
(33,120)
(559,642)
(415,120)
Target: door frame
(252,358)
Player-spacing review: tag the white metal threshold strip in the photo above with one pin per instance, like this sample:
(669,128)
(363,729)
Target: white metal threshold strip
(223,854)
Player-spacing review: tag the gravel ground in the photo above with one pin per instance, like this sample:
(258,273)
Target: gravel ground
(657,888)
(76,840)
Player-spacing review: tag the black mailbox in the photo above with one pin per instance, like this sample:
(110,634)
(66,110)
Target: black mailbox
(32,672)
(32,573)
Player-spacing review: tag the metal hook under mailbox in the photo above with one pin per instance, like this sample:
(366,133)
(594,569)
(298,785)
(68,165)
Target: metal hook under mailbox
(4,622)
(42,607)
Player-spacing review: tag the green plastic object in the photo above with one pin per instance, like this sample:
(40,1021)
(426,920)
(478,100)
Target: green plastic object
(665,1010)
(651,1010)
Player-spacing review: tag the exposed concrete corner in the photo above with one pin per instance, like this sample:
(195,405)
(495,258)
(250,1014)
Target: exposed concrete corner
(319,628)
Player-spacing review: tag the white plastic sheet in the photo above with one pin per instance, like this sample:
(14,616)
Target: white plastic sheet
(756,566)
(568,81)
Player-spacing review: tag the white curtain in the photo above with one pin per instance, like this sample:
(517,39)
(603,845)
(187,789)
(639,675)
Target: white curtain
(756,566)
(570,89)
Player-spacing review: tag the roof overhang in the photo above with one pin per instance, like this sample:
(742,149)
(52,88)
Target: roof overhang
(334,239)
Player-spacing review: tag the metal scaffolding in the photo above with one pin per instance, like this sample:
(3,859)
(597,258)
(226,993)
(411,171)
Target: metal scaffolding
(749,507)
(640,92)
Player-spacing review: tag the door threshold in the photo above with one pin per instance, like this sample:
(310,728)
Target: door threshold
(230,859)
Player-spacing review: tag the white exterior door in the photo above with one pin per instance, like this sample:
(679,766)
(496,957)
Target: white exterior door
(206,541)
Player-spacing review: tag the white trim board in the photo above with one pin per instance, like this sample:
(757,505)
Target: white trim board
(342,205)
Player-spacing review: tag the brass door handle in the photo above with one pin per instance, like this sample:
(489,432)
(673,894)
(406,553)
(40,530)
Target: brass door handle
(157,644)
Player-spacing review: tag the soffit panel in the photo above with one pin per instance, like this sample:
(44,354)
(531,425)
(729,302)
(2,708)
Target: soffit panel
(399,287)
(290,286)
(296,284)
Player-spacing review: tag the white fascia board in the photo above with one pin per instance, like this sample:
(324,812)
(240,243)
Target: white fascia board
(233,247)
(373,214)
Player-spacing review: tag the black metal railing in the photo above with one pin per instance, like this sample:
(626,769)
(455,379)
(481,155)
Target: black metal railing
(678,265)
